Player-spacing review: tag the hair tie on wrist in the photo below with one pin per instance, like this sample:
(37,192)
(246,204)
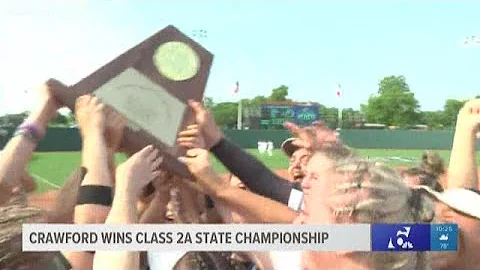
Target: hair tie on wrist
(33,132)
(93,194)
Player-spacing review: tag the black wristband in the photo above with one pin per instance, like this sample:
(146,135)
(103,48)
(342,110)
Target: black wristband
(90,194)
(218,145)
(209,202)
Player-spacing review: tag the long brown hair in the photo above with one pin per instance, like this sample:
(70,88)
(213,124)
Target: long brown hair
(432,166)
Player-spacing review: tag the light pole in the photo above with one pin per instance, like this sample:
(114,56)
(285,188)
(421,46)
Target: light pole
(239,115)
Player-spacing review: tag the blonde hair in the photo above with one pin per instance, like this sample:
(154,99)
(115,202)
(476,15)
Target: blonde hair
(374,193)
(12,217)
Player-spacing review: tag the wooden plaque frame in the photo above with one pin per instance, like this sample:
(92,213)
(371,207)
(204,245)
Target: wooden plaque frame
(141,59)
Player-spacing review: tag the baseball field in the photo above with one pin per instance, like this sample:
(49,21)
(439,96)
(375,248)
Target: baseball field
(51,168)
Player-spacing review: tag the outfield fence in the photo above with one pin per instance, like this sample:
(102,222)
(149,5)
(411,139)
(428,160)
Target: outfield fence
(68,139)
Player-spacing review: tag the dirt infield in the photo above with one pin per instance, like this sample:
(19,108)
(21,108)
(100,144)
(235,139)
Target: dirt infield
(47,199)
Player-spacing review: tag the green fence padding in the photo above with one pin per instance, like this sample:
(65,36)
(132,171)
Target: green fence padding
(68,139)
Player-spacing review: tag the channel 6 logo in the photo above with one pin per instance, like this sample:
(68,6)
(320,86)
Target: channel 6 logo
(400,237)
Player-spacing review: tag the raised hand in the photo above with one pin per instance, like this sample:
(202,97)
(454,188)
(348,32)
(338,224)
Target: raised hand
(469,115)
(206,124)
(89,113)
(46,106)
(46,96)
(198,162)
(139,170)
(192,137)
(315,136)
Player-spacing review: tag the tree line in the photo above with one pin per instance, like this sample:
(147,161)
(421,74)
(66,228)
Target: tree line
(394,104)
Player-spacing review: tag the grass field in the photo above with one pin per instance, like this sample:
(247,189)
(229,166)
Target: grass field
(51,168)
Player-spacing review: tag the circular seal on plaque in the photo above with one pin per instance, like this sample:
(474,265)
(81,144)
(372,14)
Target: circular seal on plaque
(176,61)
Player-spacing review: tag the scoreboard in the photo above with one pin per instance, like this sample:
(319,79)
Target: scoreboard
(273,116)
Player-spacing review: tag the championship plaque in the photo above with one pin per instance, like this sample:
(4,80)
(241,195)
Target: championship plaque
(150,85)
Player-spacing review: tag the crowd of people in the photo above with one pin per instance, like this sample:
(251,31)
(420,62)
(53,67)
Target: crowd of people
(328,183)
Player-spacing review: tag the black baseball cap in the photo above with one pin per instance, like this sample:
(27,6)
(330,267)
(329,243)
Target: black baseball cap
(288,147)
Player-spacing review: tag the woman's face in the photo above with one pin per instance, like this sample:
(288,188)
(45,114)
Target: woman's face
(316,188)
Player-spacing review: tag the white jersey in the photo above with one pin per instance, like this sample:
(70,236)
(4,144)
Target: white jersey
(262,147)
(295,201)
(286,260)
(270,148)
(164,260)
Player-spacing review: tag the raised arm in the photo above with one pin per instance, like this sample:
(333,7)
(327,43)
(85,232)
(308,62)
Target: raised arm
(95,193)
(18,151)
(253,173)
(132,176)
(256,176)
(254,208)
(462,169)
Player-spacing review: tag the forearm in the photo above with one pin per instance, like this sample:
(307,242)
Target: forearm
(66,199)
(254,208)
(123,212)
(462,169)
(95,160)
(253,173)
(17,153)
(13,162)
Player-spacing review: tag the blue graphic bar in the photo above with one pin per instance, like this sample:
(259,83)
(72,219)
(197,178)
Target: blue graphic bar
(443,237)
(414,237)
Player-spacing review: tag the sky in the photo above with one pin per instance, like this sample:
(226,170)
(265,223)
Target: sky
(309,46)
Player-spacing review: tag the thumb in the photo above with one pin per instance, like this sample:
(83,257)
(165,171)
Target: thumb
(196,106)
(194,152)
(184,160)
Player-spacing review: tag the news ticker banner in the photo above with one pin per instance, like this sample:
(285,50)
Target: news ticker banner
(240,237)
